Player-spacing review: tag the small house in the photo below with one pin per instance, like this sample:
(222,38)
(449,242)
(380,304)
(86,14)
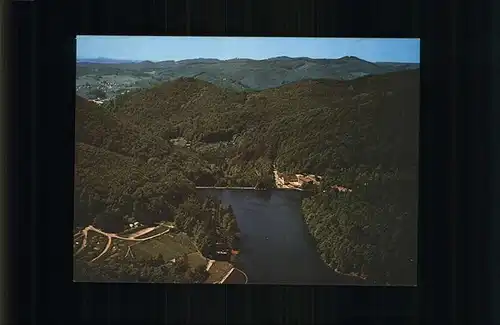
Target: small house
(221,249)
(339,188)
(289,179)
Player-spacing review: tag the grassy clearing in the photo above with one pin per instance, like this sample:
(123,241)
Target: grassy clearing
(183,239)
(115,250)
(195,260)
(165,245)
(120,248)
(95,245)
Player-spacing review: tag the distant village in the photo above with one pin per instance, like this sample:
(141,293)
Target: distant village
(295,181)
(109,90)
(298,181)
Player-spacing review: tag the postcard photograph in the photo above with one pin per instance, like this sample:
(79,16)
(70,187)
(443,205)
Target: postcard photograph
(239,160)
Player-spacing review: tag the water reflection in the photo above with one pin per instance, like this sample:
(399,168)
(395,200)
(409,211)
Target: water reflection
(264,195)
(276,247)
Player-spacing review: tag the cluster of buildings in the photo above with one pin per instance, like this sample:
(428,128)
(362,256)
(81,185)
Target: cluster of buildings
(339,188)
(295,181)
(181,142)
(223,251)
(98,102)
(107,87)
(132,223)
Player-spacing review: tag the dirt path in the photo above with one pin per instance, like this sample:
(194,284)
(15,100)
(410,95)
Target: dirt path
(231,272)
(210,263)
(246,276)
(226,276)
(234,276)
(84,242)
(108,245)
(142,232)
(112,235)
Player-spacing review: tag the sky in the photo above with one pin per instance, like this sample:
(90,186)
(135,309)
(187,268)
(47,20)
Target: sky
(160,48)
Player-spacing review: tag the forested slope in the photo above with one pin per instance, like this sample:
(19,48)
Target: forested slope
(101,128)
(362,134)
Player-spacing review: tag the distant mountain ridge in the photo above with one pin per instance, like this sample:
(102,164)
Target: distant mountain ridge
(214,60)
(239,74)
(103,60)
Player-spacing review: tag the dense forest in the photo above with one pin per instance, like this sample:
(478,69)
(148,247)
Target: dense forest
(370,232)
(362,134)
(207,223)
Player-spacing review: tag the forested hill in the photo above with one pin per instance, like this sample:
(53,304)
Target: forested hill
(105,79)
(312,125)
(101,128)
(144,153)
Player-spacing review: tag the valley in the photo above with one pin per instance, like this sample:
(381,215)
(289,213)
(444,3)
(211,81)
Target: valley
(346,130)
(104,79)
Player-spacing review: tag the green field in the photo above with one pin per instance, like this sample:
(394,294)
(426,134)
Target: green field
(95,245)
(169,245)
(196,259)
(166,245)
(159,230)
(183,239)
(118,249)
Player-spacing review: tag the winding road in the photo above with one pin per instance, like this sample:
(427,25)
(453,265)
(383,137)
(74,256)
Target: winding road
(110,237)
(230,273)
(105,249)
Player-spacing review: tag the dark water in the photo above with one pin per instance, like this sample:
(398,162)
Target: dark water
(276,247)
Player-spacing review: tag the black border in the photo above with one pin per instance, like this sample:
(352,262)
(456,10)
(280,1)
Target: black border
(474,218)
(494,39)
(42,174)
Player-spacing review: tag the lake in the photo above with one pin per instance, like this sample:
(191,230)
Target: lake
(276,247)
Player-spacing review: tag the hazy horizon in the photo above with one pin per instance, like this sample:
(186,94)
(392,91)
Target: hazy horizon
(149,48)
(206,58)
